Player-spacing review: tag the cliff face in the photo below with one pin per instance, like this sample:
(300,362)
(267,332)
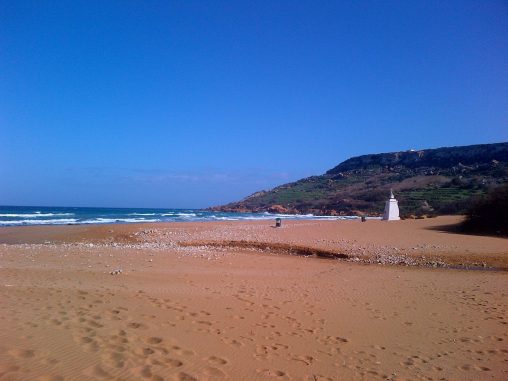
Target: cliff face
(431,181)
(440,158)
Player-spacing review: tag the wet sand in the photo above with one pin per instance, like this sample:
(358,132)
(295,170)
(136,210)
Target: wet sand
(191,302)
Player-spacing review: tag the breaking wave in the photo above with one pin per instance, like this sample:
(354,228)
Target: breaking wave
(60,221)
(19,216)
(35,215)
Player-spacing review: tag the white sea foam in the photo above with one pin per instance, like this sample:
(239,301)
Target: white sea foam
(268,216)
(137,220)
(225,218)
(87,216)
(101,220)
(179,214)
(312,217)
(186,214)
(35,215)
(60,221)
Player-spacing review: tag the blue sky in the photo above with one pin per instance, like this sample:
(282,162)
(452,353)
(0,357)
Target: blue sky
(197,103)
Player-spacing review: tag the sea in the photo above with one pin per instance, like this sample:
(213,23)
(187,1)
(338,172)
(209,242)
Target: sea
(44,215)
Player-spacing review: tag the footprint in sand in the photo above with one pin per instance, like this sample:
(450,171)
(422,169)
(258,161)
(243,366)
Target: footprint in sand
(272,374)
(154,340)
(56,322)
(214,373)
(98,371)
(92,346)
(146,372)
(116,339)
(318,377)
(94,324)
(185,377)
(173,363)
(22,353)
(233,342)
(468,367)
(116,360)
(51,378)
(10,369)
(333,340)
(86,340)
(307,360)
(181,351)
(50,361)
(217,360)
(135,325)
(204,322)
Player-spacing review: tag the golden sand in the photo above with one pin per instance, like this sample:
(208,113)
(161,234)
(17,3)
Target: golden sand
(202,301)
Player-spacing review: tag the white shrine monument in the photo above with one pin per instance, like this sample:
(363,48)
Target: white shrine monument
(391,209)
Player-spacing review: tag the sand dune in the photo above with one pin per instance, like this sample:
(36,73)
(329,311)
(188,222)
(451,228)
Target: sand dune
(213,313)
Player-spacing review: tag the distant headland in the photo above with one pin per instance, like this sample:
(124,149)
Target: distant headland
(426,182)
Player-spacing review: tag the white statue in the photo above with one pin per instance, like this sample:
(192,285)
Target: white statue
(391,209)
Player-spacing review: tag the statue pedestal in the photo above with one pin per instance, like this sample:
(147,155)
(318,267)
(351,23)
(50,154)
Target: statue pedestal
(391,209)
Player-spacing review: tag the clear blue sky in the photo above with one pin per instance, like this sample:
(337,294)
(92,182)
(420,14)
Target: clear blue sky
(196,103)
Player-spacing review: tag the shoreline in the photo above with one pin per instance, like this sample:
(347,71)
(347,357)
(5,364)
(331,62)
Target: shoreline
(60,216)
(423,243)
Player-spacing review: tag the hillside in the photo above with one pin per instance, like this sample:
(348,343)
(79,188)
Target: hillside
(430,181)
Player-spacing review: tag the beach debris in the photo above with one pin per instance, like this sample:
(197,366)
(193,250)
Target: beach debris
(146,232)
(278,222)
(116,272)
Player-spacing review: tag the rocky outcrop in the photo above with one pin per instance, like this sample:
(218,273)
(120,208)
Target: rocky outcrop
(278,209)
(439,158)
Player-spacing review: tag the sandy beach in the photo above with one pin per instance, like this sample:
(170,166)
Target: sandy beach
(313,300)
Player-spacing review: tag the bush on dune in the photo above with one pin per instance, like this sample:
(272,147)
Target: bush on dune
(489,215)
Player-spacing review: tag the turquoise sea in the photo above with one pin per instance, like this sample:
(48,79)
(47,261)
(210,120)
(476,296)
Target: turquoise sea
(44,215)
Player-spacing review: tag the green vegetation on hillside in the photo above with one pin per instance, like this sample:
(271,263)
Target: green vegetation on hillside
(427,182)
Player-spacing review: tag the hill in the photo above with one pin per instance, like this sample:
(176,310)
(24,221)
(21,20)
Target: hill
(430,181)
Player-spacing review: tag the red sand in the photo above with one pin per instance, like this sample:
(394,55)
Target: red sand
(213,313)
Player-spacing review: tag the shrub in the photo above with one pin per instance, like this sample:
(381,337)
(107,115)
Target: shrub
(489,214)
